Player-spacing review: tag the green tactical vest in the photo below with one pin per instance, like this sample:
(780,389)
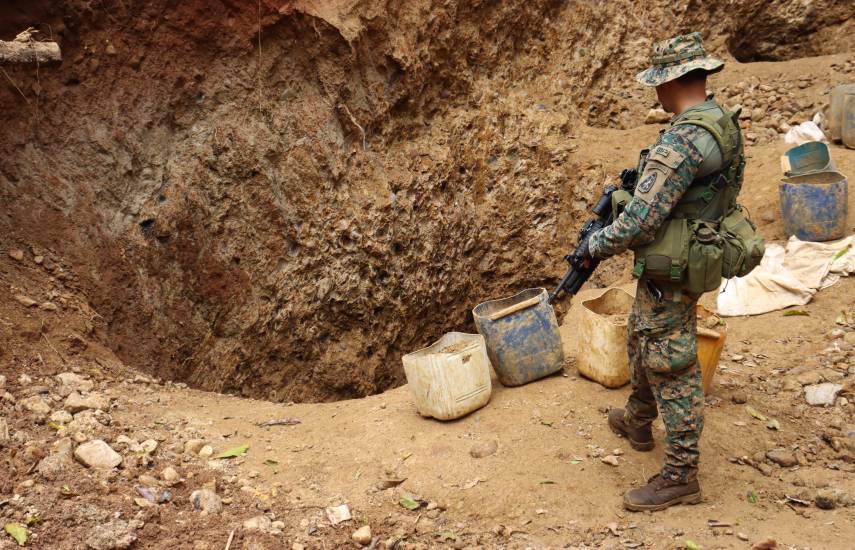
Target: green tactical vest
(706,236)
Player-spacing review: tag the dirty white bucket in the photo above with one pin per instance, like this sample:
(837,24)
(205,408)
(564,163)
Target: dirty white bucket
(450,378)
(602,355)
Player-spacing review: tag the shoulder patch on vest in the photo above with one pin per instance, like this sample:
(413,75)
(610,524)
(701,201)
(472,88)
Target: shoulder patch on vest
(661,163)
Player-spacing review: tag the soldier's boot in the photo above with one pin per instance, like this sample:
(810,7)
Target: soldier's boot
(641,439)
(660,493)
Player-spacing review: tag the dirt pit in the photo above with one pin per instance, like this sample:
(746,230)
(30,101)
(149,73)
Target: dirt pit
(282,200)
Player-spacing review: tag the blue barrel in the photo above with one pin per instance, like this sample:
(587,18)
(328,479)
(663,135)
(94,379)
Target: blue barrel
(814,206)
(521,333)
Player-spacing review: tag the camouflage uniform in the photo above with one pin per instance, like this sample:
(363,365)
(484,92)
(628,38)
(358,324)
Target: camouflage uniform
(662,335)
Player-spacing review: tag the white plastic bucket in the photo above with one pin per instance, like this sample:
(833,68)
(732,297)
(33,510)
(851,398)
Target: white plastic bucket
(602,355)
(450,378)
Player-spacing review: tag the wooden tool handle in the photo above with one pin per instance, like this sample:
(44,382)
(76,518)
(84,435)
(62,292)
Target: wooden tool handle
(514,308)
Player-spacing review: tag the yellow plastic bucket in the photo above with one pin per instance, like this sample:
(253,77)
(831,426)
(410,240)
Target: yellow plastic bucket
(710,344)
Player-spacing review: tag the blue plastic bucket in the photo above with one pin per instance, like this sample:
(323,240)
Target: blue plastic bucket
(521,333)
(814,206)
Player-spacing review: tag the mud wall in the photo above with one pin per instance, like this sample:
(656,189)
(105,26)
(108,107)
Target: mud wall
(279,199)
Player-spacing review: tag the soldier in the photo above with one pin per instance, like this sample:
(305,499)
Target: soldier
(693,172)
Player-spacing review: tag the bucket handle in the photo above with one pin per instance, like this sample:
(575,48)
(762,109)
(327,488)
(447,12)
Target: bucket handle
(514,308)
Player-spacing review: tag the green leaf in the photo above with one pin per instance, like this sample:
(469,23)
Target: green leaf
(271,462)
(54,426)
(841,319)
(17,532)
(409,502)
(448,535)
(752,497)
(234,452)
(692,545)
(773,424)
(755,413)
(575,461)
(547,423)
(796,312)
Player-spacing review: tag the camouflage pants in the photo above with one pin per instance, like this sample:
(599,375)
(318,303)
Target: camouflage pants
(662,341)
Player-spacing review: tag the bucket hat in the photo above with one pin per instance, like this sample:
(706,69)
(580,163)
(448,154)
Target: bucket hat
(675,57)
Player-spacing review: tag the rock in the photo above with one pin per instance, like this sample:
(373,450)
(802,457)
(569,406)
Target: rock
(115,535)
(49,306)
(791,385)
(76,403)
(25,300)
(71,382)
(362,536)
(822,394)
(148,481)
(205,500)
(148,446)
(4,430)
(764,468)
(97,454)
(39,260)
(298,546)
(206,452)
(742,536)
(2,381)
(258,523)
(16,254)
(739,397)
(825,500)
(193,446)
(758,114)
(766,544)
(169,475)
(484,449)
(782,458)
(143,503)
(657,116)
(611,460)
(61,417)
(809,378)
(36,405)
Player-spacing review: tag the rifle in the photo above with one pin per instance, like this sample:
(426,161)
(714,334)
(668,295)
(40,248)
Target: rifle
(579,273)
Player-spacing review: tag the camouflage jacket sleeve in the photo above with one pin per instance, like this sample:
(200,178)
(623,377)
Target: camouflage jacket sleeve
(670,169)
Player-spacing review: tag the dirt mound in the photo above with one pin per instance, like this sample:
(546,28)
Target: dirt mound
(278,199)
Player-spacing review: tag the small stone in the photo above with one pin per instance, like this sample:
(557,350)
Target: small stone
(39,260)
(36,405)
(611,460)
(97,454)
(836,333)
(49,306)
(25,300)
(169,475)
(148,481)
(205,500)
(258,523)
(822,394)
(825,500)
(148,446)
(766,544)
(61,417)
(76,403)
(484,449)
(2,381)
(4,430)
(809,378)
(298,546)
(782,458)
(143,503)
(206,451)
(739,397)
(278,525)
(362,536)
(742,536)
(115,535)
(71,382)
(17,254)
(764,469)
(110,49)
(193,446)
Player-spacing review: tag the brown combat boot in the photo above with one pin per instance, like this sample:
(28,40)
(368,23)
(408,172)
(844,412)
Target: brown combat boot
(660,493)
(641,439)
